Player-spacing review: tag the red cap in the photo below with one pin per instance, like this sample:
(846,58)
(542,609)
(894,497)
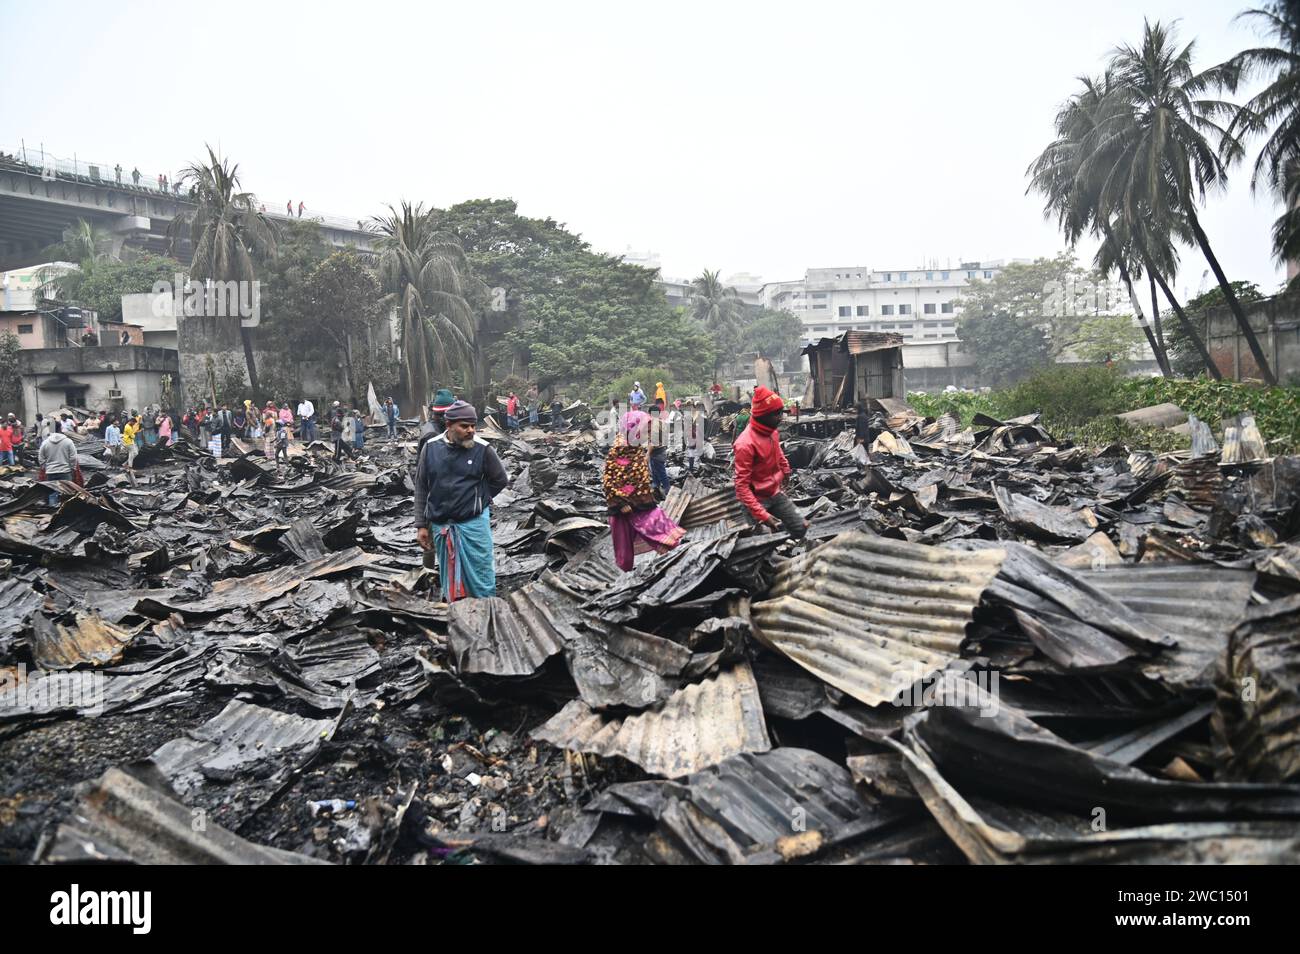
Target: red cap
(765,402)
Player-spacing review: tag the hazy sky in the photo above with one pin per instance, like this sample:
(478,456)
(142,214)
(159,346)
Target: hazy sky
(753,137)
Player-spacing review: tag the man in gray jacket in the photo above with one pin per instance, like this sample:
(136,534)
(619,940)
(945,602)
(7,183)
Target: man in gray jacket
(58,458)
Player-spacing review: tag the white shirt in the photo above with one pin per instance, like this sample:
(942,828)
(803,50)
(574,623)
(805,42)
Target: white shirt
(306,409)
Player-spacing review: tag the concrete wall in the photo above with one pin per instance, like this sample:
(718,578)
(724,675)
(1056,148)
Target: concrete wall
(136,371)
(45,333)
(1276,323)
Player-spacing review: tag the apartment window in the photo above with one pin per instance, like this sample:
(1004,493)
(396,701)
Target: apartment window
(904,309)
(846,311)
(886,309)
(820,305)
(902,276)
(885,326)
(929,308)
(929,276)
(26,329)
(946,308)
(929,324)
(943,276)
(929,336)
(904,325)
(819,294)
(859,274)
(818,328)
(970,274)
(945,324)
(988,274)
(889,276)
(864,310)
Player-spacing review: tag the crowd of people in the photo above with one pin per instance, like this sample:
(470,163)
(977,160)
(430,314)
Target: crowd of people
(457,473)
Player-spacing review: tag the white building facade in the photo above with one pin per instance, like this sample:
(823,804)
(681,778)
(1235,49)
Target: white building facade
(918,303)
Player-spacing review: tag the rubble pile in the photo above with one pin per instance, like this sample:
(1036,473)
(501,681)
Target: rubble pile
(990,648)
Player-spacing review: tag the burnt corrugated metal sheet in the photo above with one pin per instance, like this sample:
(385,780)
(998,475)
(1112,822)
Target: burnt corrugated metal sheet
(753,808)
(513,636)
(699,725)
(1258,731)
(1196,604)
(242,591)
(240,758)
(121,819)
(862,611)
(1040,520)
(90,641)
(710,508)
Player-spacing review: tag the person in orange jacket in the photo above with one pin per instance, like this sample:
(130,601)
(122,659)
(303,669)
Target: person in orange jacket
(761,467)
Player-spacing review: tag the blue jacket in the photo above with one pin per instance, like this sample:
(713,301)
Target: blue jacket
(453,483)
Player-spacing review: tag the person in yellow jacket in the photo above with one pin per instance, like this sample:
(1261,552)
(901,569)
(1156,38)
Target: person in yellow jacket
(129,442)
(660,393)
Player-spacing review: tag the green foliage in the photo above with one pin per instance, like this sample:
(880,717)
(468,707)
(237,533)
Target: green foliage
(103,284)
(773,334)
(342,295)
(11,385)
(1182,352)
(1276,409)
(1101,431)
(1079,404)
(963,405)
(1066,395)
(1106,337)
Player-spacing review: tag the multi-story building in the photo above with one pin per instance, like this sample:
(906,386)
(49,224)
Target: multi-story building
(918,303)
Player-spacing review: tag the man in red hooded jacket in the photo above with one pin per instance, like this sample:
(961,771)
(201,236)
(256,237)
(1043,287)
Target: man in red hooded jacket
(761,467)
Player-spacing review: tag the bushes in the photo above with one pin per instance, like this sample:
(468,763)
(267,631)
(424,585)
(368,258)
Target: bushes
(1067,396)
(1276,410)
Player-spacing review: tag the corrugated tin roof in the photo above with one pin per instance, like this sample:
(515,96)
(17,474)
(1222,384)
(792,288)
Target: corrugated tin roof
(699,725)
(121,819)
(862,610)
(860,342)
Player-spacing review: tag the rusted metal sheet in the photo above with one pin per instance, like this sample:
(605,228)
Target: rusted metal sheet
(870,615)
(861,342)
(1242,441)
(699,725)
(89,641)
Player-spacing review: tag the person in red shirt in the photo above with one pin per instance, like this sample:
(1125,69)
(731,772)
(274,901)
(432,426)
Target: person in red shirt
(761,467)
(6,444)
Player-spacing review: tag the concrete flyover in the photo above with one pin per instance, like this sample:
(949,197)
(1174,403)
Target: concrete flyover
(37,203)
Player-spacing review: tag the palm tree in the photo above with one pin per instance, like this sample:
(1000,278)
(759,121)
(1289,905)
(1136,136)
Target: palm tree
(225,230)
(1163,141)
(1062,173)
(1276,107)
(425,274)
(719,309)
(83,244)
